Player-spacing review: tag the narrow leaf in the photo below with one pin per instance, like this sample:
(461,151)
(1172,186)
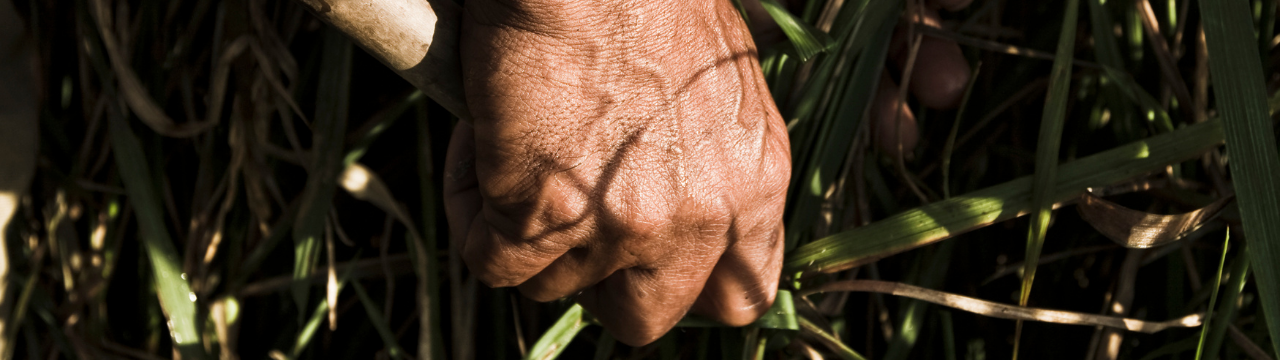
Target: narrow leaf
(1051,124)
(1004,311)
(1213,297)
(176,298)
(553,342)
(807,40)
(1255,166)
(375,318)
(330,130)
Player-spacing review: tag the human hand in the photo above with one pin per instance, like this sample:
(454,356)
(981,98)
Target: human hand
(626,154)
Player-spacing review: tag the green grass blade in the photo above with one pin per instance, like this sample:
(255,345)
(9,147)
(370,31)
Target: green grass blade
(309,329)
(554,341)
(839,128)
(429,275)
(1213,297)
(1105,47)
(1051,124)
(941,220)
(807,40)
(1130,88)
(1227,310)
(330,129)
(176,298)
(911,323)
(948,335)
(782,315)
(381,122)
(379,324)
(1255,166)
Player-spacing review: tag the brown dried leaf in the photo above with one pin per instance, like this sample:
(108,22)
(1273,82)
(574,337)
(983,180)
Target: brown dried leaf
(1136,229)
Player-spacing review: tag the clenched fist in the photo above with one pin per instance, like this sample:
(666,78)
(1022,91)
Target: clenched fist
(626,154)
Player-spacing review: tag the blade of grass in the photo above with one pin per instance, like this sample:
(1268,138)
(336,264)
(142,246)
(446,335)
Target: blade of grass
(1255,165)
(554,341)
(948,335)
(808,41)
(330,129)
(1004,311)
(1051,124)
(176,299)
(838,129)
(832,342)
(309,329)
(1213,296)
(1228,309)
(428,278)
(379,324)
(944,219)
(379,124)
(911,321)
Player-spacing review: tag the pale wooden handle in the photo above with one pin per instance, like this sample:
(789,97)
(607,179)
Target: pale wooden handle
(416,38)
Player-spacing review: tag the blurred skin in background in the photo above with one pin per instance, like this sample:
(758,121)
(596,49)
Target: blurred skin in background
(628,155)
(18,132)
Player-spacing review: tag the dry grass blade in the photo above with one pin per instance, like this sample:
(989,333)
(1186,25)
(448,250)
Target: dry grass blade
(1003,311)
(811,330)
(131,88)
(1136,229)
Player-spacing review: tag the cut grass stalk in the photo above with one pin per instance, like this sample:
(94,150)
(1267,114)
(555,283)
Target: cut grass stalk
(1255,165)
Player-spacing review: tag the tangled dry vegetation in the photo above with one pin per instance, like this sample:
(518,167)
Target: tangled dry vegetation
(234,178)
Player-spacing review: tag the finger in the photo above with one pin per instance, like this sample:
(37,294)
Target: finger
(640,304)
(495,258)
(574,271)
(891,118)
(743,284)
(940,71)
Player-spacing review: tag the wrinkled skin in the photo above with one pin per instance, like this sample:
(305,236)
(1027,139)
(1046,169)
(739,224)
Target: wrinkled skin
(627,154)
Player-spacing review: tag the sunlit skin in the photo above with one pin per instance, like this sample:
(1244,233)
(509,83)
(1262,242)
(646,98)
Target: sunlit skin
(625,154)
